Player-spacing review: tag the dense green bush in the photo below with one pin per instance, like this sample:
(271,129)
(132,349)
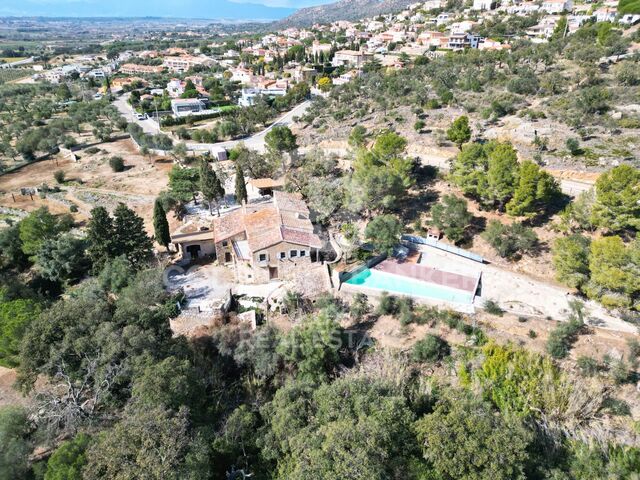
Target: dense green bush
(430,349)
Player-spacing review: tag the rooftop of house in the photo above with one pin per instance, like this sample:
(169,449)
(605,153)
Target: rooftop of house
(284,218)
(267,182)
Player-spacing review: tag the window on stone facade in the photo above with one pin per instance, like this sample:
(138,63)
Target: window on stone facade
(303,253)
(283,255)
(262,257)
(293,253)
(225,243)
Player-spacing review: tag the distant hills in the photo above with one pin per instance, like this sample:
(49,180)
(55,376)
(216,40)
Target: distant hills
(342,10)
(200,9)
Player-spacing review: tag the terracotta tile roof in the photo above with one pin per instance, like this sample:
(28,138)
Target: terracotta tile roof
(295,220)
(290,201)
(266,182)
(191,232)
(263,228)
(286,218)
(228,225)
(301,237)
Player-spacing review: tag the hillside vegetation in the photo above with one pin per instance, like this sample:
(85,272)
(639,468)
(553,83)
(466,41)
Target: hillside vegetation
(342,10)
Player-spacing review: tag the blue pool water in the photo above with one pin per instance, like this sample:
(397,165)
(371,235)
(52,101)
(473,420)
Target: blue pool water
(407,286)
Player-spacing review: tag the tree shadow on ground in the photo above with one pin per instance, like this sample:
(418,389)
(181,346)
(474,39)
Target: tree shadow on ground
(553,208)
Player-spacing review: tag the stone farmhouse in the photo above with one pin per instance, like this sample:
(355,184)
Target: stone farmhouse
(261,242)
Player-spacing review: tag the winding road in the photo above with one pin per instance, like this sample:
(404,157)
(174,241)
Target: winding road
(255,141)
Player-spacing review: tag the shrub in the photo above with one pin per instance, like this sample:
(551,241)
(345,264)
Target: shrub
(532,334)
(419,125)
(430,349)
(563,337)
(73,208)
(432,104)
(360,306)
(629,122)
(59,176)
(492,307)
(388,304)
(116,164)
(521,382)
(634,348)
(510,241)
(573,145)
(619,372)
(615,406)
(588,366)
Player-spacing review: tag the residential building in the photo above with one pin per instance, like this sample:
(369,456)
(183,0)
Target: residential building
(318,48)
(269,240)
(630,19)
(430,37)
(346,77)
(557,6)
(461,27)
(250,95)
(459,41)
(351,58)
(184,63)
(182,107)
(488,44)
(374,26)
(484,4)
(605,14)
(135,69)
(432,4)
(304,74)
(443,18)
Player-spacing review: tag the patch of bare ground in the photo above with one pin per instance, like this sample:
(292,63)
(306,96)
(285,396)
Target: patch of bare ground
(91,182)
(8,394)
(538,265)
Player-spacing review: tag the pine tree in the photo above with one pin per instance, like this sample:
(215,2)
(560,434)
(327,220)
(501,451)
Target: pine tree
(129,237)
(241,187)
(160,224)
(502,174)
(210,186)
(536,188)
(459,132)
(100,237)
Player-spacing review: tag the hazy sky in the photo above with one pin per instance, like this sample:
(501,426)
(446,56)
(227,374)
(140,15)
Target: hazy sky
(240,9)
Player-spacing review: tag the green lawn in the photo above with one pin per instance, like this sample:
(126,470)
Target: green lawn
(12,59)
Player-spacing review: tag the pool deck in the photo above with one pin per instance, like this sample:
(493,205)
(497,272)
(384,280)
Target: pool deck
(428,274)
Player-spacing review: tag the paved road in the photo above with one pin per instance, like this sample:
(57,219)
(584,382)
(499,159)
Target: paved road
(19,63)
(574,187)
(255,142)
(148,126)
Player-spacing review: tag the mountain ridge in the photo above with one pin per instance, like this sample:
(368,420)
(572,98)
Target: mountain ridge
(342,10)
(190,9)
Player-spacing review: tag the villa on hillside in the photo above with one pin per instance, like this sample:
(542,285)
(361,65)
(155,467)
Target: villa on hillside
(271,240)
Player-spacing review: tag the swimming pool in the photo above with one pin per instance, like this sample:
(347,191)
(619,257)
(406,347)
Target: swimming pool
(407,286)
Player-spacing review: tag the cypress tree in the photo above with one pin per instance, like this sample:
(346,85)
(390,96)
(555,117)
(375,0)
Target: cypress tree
(161,225)
(241,187)
(100,236)
(129,236)
(210,185)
